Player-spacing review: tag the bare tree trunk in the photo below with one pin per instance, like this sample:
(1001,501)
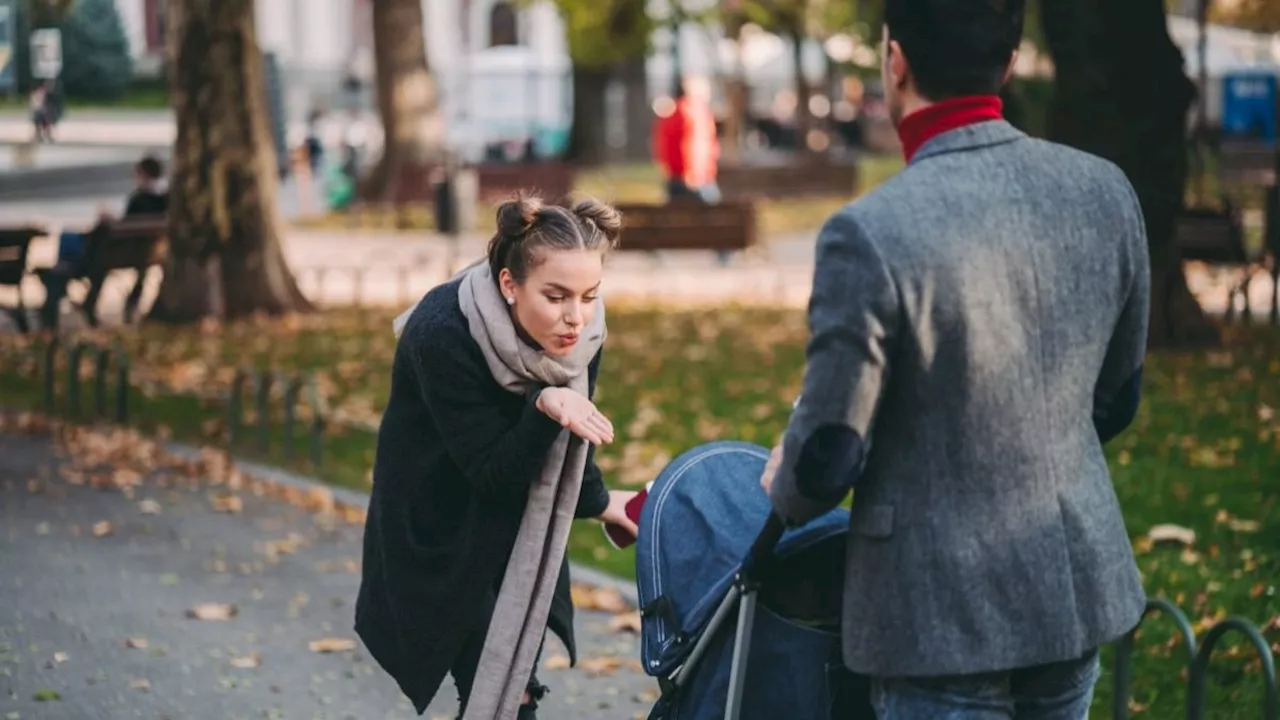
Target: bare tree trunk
(224,230)
(1122,93)
(804,118)
(408,101)
(736,96)
(588,144)
(639,111)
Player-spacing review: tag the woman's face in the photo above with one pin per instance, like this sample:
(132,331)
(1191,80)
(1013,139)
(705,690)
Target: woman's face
(558,298)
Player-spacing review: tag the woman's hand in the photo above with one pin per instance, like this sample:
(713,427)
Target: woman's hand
(575,412)
(616,512)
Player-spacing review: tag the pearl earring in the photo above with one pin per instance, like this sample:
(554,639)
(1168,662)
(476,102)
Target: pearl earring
(511,300)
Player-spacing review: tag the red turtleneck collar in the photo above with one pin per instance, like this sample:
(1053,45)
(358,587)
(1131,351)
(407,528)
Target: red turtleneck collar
(922,126)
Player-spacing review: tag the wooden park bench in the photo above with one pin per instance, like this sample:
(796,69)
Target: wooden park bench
(689,225)
(135,243)
(1216,237)
(15,243)
(1211,236)
(497,181)
(744,182)
(1247,162)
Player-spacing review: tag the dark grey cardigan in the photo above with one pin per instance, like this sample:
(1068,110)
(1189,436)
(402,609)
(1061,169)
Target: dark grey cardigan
(456,454)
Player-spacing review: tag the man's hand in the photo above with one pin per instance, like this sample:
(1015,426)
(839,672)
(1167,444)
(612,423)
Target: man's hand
(616,512)
(771,468)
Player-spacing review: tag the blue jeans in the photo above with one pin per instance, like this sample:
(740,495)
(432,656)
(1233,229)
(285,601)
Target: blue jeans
(71,249)
(708,194)
(1057,691)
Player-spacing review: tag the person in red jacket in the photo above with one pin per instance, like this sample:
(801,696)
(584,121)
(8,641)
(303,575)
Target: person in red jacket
(686,146)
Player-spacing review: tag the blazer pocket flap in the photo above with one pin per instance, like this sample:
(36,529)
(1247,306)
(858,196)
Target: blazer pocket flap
(873,521)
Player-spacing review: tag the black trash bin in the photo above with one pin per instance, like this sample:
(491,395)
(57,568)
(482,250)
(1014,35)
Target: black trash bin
(446,205)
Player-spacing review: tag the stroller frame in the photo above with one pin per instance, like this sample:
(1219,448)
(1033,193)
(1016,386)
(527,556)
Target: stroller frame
(744,594)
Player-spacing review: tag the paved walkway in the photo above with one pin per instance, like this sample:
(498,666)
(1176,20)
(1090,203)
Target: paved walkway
(97,591)
(336,267)
(150,128)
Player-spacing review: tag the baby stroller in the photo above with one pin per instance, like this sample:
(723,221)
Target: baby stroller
(701,556)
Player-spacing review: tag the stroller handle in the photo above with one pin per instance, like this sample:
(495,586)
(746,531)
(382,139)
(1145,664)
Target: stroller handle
(770,534)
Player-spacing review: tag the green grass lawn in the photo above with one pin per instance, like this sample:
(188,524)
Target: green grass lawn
(1204,452)
(137,98)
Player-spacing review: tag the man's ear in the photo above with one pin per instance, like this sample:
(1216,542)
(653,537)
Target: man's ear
(899,67)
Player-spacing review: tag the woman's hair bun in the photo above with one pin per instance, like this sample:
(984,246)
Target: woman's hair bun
(605,217)
(517,216)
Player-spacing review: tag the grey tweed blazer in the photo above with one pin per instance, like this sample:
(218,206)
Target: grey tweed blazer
(968,319)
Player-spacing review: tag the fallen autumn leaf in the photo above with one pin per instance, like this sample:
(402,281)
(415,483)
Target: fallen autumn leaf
(1172,533)
(1244,526)
(607,665)
(626,622)
(332,645)
(587,597)
(246,662)
(227,503)
(212,611)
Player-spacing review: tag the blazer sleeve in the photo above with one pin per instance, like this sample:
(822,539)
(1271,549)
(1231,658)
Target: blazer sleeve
(853,319)
(594,496)
(1119,387)
(500,460)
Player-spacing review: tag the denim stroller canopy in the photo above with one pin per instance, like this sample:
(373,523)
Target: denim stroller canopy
(703,513)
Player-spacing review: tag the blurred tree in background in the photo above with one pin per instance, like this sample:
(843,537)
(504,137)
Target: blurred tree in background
(408,99)
(224,225)
(1261,16)
(1121,92)
(603,36)
(96,64)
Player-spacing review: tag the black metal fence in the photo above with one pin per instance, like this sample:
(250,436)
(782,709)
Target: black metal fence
(102,361)
(1198,654)
(111,374)
(262,382)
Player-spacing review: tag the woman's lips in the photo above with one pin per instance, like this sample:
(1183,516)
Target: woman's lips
(567,340)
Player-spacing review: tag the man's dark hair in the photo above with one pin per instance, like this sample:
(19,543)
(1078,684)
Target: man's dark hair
(150,168)
(956,47)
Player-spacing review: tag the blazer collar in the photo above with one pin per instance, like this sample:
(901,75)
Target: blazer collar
(969,137)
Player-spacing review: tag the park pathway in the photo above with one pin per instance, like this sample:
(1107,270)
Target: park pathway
(102,570)
(383,268)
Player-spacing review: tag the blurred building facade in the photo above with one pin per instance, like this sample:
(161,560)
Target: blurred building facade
(503,68)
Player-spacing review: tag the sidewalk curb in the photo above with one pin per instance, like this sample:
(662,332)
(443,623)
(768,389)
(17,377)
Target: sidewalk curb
(353,498)
(36,183)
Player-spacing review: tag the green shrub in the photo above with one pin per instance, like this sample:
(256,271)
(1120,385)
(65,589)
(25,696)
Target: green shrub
(1027,103)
